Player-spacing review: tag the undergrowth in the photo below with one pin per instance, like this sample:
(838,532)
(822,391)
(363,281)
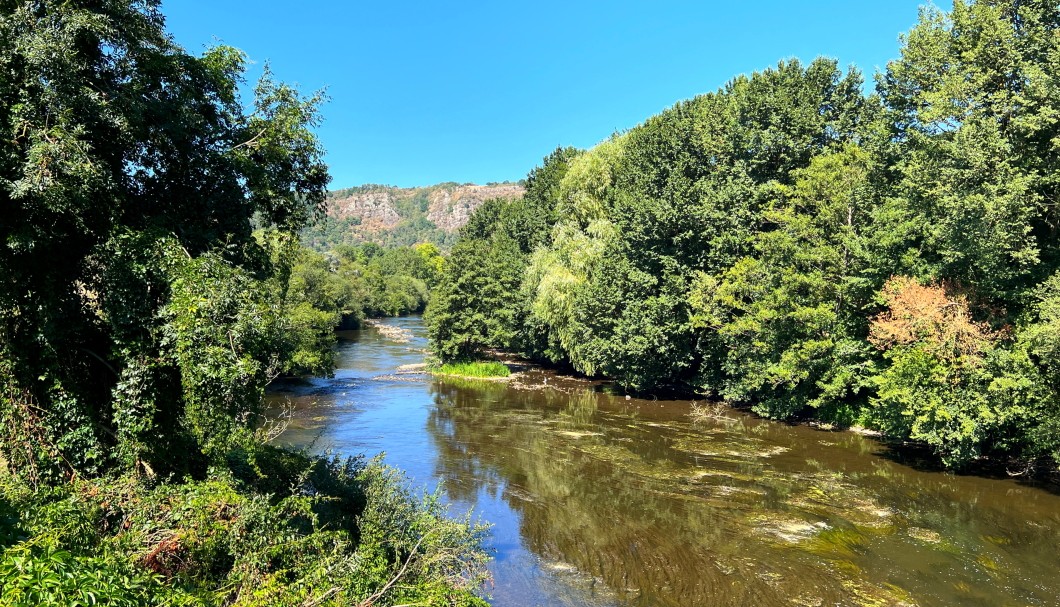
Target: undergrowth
(309,531)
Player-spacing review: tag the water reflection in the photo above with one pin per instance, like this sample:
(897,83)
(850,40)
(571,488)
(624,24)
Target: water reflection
(602,500)
(669,512)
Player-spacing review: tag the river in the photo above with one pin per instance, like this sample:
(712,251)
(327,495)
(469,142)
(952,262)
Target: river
(603,500)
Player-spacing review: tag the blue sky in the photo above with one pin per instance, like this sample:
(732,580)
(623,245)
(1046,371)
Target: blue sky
(424,92)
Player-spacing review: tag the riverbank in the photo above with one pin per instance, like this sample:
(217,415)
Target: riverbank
(523,377)
(276,528)
(606,501)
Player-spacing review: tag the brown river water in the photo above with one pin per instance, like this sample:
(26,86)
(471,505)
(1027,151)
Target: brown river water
(601,500)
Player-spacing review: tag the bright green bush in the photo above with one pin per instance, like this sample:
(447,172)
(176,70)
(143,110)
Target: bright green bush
(31,576)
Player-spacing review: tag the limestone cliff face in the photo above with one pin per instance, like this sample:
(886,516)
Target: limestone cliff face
(374,209)
(449,209)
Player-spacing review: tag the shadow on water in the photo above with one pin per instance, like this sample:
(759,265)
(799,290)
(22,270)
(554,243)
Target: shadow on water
(602,500)
(921,458)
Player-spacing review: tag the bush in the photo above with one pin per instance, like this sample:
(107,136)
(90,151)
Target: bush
(279,528)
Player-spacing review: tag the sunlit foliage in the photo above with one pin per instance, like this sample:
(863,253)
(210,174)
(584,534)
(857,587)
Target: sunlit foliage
(798,245)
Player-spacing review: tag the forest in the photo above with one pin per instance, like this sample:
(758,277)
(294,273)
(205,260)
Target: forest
(808,245)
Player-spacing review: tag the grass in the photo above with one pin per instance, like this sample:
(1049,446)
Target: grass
(479,368)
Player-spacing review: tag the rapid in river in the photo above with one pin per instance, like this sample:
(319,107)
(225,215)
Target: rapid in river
(600,499)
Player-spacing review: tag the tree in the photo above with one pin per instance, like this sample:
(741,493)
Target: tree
(973,108)
(483,315)
(791,315)
(470,309)
(945,383)
(431,263)
(687,195)
(132,173)
(530,220)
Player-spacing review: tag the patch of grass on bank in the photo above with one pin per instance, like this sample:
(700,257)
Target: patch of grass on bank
(478,368)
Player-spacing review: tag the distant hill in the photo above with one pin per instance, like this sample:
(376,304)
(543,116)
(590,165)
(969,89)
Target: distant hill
(393,216)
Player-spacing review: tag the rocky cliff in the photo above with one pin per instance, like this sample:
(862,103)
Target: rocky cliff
(391,215)
(450,208)
(372,211)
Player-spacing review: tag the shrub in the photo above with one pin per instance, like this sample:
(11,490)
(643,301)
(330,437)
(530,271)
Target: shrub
(279,528)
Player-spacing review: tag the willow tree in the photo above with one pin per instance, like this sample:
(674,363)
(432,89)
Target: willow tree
(134,324)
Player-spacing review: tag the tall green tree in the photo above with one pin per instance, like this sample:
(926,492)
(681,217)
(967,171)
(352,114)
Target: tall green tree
(973,105)
(792,315)
(130,173)
(471,309)
(690,188)
(468,313)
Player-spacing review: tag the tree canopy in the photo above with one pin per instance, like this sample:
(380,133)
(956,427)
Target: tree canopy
(135,312)
(769,242)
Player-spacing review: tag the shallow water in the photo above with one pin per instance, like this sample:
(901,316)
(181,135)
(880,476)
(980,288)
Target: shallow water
(597,499)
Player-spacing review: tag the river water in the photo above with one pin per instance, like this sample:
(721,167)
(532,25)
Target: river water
(602,500)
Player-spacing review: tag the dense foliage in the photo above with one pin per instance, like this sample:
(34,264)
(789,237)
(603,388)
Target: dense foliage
(135,304)
(795,244)
(478,302)
(280,529)
(151,285)
(352,283)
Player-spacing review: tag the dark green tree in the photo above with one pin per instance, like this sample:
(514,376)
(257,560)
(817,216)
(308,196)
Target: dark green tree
(792,316)
(501,322)
(470,310)
(529,221)
(131,173)
(973,107)
(689,191)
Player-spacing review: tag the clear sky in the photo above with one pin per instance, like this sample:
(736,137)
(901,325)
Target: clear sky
(429,91)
